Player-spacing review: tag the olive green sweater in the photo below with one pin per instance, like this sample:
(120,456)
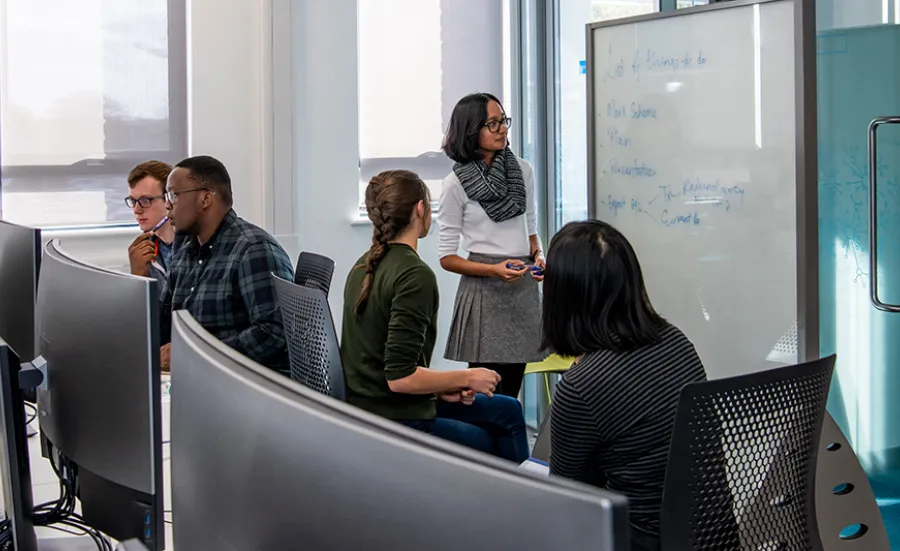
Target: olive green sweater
(393,334)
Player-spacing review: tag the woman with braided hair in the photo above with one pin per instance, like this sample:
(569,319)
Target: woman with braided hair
(489,201)
(390,327)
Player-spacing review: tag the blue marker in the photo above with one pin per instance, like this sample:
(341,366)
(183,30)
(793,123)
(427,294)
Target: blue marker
(535,269)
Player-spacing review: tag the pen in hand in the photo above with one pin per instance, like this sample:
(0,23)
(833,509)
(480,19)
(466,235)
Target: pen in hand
(159,224)
(535,269)
(153,229)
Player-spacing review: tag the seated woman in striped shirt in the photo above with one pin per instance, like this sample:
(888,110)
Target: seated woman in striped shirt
(614,410)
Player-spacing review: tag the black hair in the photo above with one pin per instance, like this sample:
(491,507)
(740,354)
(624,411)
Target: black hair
(594,294)
(461,142)
(209,172)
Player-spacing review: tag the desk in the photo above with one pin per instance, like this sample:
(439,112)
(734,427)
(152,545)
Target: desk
(45,487)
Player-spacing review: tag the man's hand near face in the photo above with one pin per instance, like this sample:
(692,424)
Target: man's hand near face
(141,253)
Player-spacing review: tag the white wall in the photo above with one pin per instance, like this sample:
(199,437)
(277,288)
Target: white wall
(230,116)
(229,96)
(277,103)
(326,145)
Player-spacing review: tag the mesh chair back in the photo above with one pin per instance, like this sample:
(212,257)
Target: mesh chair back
(314,271)
(312,342)
(742,464)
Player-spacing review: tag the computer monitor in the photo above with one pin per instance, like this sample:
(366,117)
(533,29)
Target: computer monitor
(261,462)
(15,469)
(99,404)
(20,259)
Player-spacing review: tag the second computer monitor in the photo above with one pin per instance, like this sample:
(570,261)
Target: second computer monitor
(261,462)
(20,257)
(100,402)
(15,470)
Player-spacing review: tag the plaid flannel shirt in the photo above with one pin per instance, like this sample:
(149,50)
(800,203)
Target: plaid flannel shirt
(226,286)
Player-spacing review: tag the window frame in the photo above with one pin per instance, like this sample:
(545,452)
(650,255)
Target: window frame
(119,163)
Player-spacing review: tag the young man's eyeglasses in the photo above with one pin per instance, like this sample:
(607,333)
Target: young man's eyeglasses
(144,202)
(494,126)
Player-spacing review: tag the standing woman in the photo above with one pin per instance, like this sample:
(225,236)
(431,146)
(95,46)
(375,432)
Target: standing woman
(489,201)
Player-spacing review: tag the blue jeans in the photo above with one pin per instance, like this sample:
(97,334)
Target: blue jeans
(492,425)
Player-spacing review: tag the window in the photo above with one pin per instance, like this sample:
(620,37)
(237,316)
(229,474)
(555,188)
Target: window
(839,14)
(570,188)
(417,58)
(88,89)
(691,3)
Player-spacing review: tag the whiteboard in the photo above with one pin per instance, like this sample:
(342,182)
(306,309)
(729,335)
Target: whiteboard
(692,152)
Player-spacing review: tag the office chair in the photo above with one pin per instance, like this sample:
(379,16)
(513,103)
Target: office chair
(314,271)
(846,509)
(742,464)
(313,349)
(553,363)
(541,449)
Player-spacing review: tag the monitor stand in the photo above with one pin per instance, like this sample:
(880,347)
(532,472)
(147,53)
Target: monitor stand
(83,543)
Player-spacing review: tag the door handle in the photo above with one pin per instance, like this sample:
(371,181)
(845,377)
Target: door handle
(873,214)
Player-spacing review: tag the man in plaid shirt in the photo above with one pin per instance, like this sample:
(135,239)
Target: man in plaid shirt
(221,270)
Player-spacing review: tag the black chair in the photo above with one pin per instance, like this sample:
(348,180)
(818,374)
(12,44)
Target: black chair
(312,342)
(541,449)
(742,464)
(314,271)
(844,497)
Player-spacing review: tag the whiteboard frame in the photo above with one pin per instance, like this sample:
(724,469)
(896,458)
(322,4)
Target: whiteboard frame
(806,147)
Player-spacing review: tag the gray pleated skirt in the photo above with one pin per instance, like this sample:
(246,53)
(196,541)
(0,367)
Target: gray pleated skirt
(495,321)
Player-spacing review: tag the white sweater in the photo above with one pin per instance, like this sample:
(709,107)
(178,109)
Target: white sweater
(460,216)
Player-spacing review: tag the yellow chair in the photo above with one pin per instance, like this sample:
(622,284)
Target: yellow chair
(552,364)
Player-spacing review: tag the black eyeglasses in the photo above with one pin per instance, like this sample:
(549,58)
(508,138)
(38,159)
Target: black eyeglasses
(172,196)
(494,126)
(144,202)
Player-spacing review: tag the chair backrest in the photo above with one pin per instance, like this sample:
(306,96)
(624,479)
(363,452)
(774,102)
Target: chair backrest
(312,342)
(314,271)
(846,509)
(742,464)
(541,449)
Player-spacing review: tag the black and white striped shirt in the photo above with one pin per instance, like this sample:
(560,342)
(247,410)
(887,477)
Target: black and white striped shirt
(612,419)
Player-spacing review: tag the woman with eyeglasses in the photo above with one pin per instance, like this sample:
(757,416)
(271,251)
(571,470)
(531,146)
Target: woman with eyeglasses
(150,253)
(488,202)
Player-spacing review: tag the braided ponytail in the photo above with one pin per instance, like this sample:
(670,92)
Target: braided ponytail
(391,199)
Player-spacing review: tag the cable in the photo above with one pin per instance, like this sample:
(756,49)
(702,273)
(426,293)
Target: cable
(33,409)
(66,530)
(62,511)
(102,542)
(98,540)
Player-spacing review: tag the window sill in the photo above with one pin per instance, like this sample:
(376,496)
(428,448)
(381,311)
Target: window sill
(112,230)
(362,218)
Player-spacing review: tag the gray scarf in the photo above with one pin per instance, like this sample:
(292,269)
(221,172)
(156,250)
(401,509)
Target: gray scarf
(500,189)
